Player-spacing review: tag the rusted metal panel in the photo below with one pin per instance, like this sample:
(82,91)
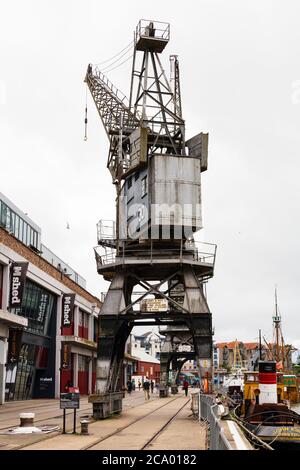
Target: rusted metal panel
(154,305)
(175,188)
(198,148)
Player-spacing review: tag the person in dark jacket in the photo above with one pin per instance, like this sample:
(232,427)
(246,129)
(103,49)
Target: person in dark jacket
(129,386)
(185,387)
(146,388)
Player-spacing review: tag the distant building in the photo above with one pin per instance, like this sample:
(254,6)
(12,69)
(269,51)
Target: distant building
(244,354)
(48,320)
(189,366)
(150,342)
(238,354)
(147,367)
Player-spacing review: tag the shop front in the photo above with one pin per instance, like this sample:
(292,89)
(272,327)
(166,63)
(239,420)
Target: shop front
(30,368)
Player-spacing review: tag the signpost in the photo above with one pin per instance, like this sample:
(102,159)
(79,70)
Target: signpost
(69,400)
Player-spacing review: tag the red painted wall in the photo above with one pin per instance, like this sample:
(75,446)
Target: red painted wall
(83,332)
(83,383)
(68,331)
(148,369)
(66,375)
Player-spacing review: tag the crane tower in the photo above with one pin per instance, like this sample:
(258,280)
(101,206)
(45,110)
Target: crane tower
(150,246)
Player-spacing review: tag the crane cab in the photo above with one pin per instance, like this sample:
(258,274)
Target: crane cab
(152,36)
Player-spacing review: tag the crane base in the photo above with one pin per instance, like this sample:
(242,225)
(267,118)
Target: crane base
(106,404)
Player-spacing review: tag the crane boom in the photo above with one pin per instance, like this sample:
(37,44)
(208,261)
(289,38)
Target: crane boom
(111,103)
(118,120)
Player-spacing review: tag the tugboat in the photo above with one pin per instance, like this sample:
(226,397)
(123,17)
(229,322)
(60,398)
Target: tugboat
(264,411)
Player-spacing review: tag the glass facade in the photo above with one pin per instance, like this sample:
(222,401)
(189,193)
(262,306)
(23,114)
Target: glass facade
(13,223)
(37,306)
(25,373)
(30,368)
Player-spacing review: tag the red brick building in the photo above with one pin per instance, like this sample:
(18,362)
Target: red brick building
(146,367)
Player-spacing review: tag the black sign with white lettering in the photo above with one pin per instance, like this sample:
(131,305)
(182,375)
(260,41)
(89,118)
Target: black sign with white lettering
(42,307)
(18,278)
(67,310)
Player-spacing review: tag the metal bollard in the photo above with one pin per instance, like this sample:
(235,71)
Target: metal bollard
(26,420)
(84,427)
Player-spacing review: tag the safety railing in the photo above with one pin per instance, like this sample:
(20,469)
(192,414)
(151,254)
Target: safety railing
(118,93)
(205,407)
(201,252)
(155,29)
(106,230)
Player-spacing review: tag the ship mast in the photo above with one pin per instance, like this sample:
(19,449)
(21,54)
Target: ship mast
(277,329)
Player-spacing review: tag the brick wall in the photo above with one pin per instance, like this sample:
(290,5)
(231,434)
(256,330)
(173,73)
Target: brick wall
(148,369)
(16,245)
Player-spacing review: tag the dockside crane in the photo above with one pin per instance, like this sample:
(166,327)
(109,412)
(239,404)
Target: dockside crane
(157,175)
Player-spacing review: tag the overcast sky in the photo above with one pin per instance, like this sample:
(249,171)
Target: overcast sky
(240,80)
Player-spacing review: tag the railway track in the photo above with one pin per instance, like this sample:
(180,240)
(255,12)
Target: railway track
(144,428)
(51,418)
(163,428)
(54,410)
(108,439)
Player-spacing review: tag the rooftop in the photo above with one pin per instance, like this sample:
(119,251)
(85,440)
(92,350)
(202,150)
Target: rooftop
(232,344)
(140,355)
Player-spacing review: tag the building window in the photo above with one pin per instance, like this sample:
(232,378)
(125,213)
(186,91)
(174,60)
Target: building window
(82,363)
(83,324)
(37,306)
(144,186)
(17,226)
(129,182)
(96,329)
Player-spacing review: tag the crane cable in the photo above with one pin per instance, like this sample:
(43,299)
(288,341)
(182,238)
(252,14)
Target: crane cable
(85,119)
(119,65)
(116,55)
(115,62)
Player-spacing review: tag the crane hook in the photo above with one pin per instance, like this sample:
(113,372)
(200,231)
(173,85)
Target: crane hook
(85,119)
(85,124)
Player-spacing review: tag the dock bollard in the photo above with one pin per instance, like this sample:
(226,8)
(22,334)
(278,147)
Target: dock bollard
(84,427)
(26,420)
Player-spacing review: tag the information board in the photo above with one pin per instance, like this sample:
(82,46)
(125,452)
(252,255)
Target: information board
(69,401)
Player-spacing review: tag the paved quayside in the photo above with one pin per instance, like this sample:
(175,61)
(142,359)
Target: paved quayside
(161,423)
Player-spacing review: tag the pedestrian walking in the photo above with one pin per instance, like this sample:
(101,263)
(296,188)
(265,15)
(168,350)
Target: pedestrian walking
(185,387)
(139,385)
(146,388)
(129,386)
(68,385)
(152,386)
